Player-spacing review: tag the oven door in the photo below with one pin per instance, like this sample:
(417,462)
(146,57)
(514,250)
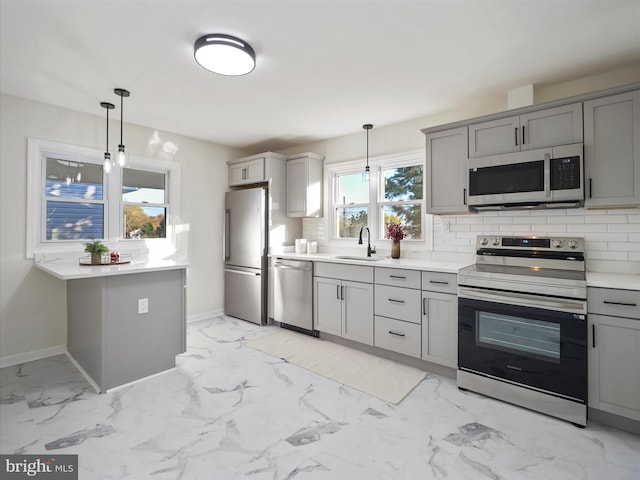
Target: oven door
(535,341)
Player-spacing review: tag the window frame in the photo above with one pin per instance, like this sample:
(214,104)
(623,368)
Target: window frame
(37,152)
(375,216)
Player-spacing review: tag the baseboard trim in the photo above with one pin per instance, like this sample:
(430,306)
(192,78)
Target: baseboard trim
(205,316)
(19,358)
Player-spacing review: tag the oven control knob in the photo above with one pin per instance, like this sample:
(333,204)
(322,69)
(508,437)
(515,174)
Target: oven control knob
(484,241)
(495,242)
(558,243)
(573,244)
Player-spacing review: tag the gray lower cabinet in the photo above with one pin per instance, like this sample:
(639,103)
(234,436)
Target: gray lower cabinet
(440,318)
(614,351)
(107,337)
(343,305)
(446,171)
(612,150)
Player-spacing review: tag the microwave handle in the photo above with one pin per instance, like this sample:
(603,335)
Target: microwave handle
(547,175)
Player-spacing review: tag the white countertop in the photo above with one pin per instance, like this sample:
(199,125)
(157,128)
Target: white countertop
(66,269)
(433,265)
(624,281)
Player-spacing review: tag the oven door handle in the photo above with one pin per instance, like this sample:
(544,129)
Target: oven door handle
(523,300)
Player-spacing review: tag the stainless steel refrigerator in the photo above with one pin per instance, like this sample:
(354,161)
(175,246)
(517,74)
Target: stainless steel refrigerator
(246,245)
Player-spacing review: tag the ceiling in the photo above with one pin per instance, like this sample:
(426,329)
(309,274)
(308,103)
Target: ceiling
(324,68)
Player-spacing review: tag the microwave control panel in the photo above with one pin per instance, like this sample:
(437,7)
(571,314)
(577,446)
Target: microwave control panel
(565,173)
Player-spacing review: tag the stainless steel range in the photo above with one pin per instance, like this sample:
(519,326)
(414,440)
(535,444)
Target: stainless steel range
(522,324)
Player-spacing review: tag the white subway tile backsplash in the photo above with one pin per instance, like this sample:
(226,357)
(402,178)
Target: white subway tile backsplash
(566,219)
(584,228)
(628,227)
(599,218)
(515,228)
(623,247)
(597,255)
(606,237)
(498,220)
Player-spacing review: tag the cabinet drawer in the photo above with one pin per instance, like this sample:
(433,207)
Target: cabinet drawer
(397,302)
(354,273)
(397,277)
(398,336)
(440,282)
(614,302)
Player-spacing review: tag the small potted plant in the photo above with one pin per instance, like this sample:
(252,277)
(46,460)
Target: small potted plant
(395,232)
(96,249)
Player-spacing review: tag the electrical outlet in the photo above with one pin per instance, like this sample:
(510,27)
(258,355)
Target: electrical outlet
(143,306)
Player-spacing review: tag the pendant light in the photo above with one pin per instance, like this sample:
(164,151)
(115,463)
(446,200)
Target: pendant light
(367,173)
(122,155)
(107,155)
(224,54)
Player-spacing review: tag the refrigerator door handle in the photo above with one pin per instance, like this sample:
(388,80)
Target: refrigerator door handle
(226,244)
(240,272)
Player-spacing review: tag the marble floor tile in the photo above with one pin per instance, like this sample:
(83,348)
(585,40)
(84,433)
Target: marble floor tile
(229,412)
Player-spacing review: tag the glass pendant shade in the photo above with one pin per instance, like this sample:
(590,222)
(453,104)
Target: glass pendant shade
(122,157)
(224,54)
(366,175)
(107,156)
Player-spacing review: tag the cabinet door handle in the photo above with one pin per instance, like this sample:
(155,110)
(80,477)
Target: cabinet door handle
(515,133)
(338,292)
(522,134)
(623,304)
(590,189)
(395,301)
(593,335)
(341,293)
(244,173)
(464,196)
(438,282)
(424,306)
(396,333)
(398,277)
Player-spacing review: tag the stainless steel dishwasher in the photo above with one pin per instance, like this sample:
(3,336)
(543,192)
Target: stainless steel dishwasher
(293,295)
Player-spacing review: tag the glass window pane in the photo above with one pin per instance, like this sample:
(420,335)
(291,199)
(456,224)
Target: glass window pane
(404,183)
(74,221)
(350,221)
(510,333)
(144,222)
(141,186)
(351,189)
(407,215)
(69,179)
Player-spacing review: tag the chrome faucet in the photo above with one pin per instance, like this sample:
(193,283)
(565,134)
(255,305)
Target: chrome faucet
(369,249)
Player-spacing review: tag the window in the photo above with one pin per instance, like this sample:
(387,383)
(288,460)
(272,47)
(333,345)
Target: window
(72,200)
(144,204)
(401,195)
(395,193)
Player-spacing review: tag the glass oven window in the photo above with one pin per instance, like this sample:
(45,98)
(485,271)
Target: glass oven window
(517,334)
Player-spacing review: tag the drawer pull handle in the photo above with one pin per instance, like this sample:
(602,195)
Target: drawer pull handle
(439,282)
(424,306)
(395,301)
(396,333)
(398,276)
(620,303)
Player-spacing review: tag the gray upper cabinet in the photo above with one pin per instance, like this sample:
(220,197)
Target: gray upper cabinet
(446,161)
(538,129)
(246,172)
(612,150)
(304,185)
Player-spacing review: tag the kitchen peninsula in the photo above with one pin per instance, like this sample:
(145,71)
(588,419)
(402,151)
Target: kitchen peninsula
(124,322)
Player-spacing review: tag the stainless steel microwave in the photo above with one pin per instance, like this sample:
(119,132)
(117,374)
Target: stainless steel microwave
(543,178)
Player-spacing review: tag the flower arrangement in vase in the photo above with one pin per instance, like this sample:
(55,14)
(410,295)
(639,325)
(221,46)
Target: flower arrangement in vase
(395,232)
(96,249)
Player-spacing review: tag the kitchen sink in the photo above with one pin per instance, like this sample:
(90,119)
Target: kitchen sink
(356,257)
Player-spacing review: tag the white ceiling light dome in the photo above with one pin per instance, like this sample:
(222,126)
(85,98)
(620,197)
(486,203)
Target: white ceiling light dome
(224,54)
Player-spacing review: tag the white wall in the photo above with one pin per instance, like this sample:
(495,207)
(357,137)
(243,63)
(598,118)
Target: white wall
(33,303)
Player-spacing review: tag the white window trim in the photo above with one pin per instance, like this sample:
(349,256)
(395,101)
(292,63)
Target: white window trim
(37,149)
(331,170)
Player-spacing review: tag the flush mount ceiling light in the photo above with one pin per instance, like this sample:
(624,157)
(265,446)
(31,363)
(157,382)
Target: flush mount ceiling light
(107,155)
(367,172)
(123,155)
(224,54)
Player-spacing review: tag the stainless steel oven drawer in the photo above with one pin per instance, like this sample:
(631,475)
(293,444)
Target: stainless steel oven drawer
(398,336)
(614,302)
